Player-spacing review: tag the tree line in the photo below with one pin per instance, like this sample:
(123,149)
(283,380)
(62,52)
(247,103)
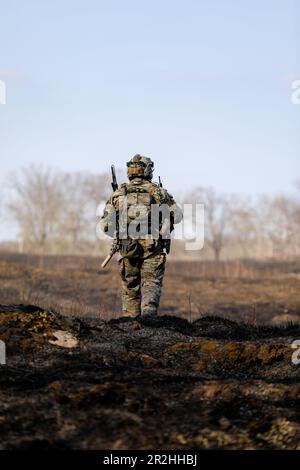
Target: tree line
(55,213)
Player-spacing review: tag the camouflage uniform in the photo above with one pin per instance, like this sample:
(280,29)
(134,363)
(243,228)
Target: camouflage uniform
(141,284)
(143,257)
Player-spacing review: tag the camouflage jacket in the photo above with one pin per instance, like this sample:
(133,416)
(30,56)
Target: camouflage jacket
(139,187)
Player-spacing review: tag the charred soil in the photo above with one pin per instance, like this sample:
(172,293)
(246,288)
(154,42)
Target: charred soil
(87,383)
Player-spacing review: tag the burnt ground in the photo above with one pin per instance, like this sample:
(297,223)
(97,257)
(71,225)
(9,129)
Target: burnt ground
(165,383)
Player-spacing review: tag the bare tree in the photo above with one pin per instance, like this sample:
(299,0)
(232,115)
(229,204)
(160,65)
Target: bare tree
(37,205)
(98,188)
(217,216)
(82,194)
(56,211)
(279,224)
(75,218)
(243,226)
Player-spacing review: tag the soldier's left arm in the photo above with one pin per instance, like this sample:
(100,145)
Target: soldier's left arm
(176,212)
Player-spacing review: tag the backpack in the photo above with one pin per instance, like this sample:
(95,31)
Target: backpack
(135,206)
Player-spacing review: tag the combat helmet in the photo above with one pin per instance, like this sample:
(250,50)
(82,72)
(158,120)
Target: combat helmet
(140,167)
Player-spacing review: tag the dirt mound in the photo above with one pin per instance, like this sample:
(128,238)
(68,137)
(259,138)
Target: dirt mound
(72,382)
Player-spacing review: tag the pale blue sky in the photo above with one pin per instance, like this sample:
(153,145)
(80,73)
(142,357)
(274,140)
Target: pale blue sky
(203,87)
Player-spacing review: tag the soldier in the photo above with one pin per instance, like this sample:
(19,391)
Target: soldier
(142,241)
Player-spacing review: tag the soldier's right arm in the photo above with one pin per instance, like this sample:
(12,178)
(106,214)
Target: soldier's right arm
(108,221)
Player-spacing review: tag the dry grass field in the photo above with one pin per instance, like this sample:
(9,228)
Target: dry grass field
(250,291)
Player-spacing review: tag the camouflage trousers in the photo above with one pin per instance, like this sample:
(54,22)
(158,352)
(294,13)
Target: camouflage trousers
(141,284)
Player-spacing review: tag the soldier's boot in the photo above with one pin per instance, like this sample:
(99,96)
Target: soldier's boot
(131,287)
(152,274)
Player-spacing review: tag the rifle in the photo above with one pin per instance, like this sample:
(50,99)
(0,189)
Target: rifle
(113,251)
(114,183)
(115,245)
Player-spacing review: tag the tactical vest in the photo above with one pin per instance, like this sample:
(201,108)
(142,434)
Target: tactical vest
(135,205)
